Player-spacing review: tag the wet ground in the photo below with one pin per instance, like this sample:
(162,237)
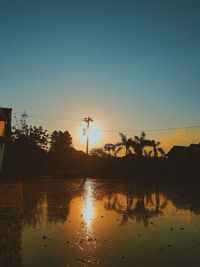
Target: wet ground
(92,222)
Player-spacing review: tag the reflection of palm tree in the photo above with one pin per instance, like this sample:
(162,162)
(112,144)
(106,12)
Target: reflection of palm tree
(137,207)
(125,142)
(109,147)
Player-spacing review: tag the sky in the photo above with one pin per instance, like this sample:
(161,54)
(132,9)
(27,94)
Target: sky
(131,65)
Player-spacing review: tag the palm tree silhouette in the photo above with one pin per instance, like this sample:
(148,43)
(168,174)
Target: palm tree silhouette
(157,149)
(109,147)
(147,153)
(128,143)
(140,142)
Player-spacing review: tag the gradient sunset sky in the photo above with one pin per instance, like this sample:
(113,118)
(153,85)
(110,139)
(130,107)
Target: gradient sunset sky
(128,64)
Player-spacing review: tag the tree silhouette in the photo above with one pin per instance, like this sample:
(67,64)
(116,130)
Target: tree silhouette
(140,142)
(60,141)
(26,148)
(125,142)
(25,134)
(157,149)
(147,153)
(99,152)
(109,147)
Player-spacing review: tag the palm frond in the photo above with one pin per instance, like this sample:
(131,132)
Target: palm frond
(146,143)
(123,137)
(143,135)
(118,149)
(137,139)
(162,152)
(158,143)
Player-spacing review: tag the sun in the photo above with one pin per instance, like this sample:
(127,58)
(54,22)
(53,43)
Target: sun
(94,134)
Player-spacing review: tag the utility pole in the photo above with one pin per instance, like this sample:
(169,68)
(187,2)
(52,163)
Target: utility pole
(87,121)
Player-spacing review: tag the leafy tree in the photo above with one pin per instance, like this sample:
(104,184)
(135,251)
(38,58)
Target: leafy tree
(27,148)
(99,152)
(60,141)
(125,142)
(25,134)
(109,148)
(156,148)
(147,153)
(139,143)
(162,152)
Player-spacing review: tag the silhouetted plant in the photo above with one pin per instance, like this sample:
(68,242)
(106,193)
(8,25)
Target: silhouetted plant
(139,143)
(156,148)
(125,142)
(60,141)
(109,148)
(148,153)
(27,147)
(99,152)
(162,152)
(25,134)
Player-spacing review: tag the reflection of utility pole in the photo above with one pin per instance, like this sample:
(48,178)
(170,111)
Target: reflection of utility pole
(87,121)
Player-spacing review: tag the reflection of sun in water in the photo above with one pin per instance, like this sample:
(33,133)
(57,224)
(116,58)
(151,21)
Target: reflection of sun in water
(94,134)
(88,212)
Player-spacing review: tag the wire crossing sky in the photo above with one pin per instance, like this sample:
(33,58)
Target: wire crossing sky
(128,64)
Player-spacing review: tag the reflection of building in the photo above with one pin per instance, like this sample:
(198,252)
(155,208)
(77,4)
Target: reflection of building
(5,129)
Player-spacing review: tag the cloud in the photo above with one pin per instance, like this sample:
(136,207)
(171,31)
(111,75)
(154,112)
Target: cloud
(183,137)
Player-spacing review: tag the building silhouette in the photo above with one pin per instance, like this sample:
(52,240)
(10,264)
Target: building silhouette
(5,130)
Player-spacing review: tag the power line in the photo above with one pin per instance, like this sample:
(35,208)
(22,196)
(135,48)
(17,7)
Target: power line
(34,116)
(151,130)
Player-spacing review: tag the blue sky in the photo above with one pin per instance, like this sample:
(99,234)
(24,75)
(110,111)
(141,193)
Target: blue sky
(129,64)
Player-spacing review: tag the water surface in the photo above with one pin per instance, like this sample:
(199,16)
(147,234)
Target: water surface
(84,222)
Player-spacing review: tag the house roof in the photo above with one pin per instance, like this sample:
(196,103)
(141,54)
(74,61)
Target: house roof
(178,149)
(192,151)
(195,148)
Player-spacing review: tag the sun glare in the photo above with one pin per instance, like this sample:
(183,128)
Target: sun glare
(94,134)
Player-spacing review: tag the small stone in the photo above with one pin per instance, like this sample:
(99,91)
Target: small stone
(171,229)
(81,260)
(182,228)
(44,237)
(169,246)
